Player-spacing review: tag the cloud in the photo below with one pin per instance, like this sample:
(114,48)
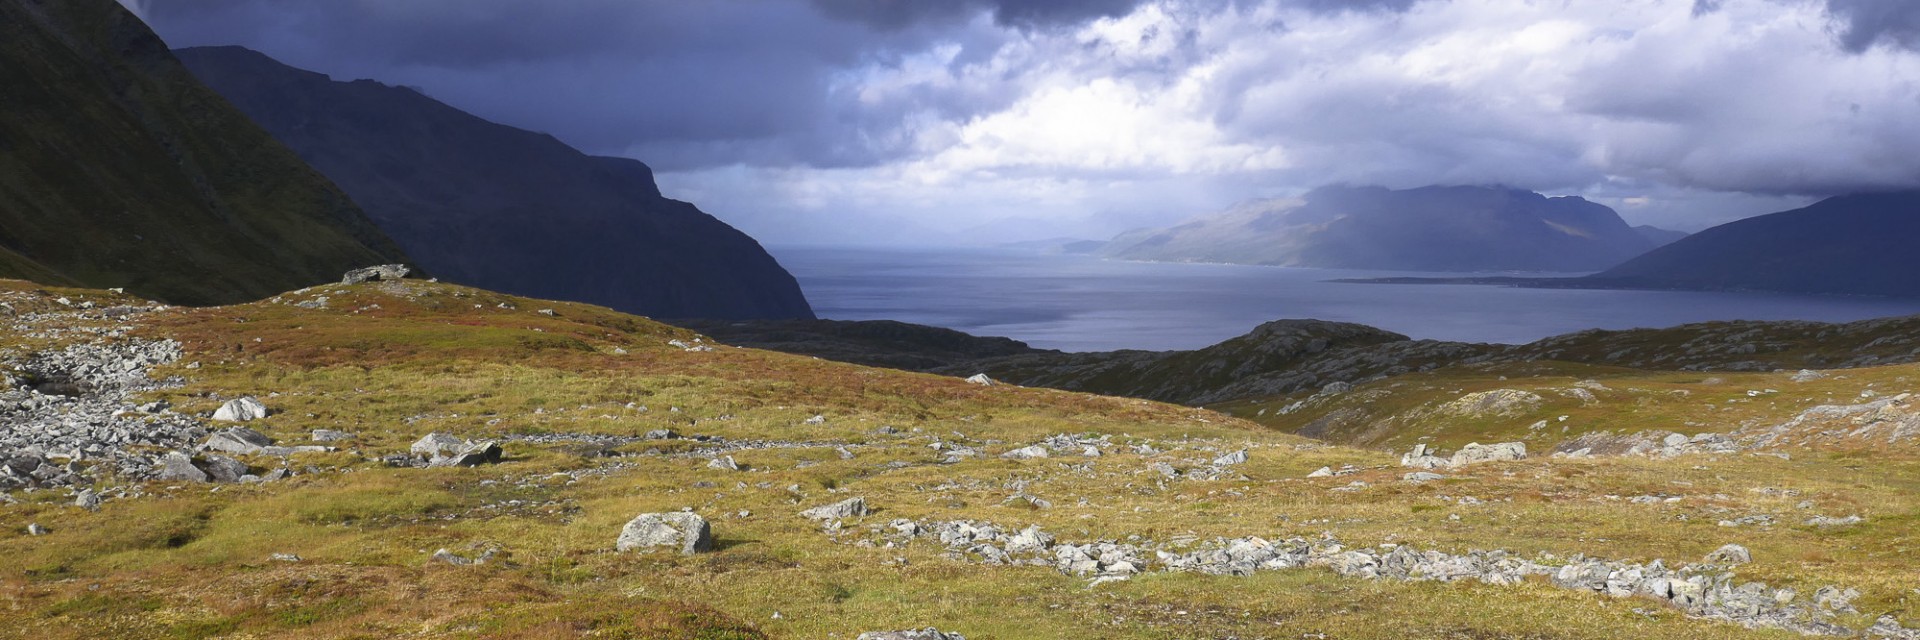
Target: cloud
(1012,117)
(1870,22)
(894,14)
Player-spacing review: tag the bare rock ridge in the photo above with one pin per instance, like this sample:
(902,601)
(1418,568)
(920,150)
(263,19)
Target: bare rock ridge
(119,169)
(506,209)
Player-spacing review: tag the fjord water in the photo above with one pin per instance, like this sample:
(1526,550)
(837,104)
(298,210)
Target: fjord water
(1080,303)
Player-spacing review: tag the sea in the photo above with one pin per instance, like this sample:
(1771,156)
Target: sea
(1084,303)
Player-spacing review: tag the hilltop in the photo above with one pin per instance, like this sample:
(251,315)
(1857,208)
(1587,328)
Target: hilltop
(119,169)
(987,510)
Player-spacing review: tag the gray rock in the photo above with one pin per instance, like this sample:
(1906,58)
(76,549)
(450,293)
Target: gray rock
(981,379)
(1234,458)
(687,532)
(329,435)
(34,529)
(376,273)
(661,434)
(1322,472)
(471,454)
(436,444)
(444,556)
(848,508)
(222,468)
(1026,453)
(1730,554)
(724,463)
(1422,476)
(240,440)
(1424,457)
(1476,453)
(928,633)
(87,499)
(176,466)
(241,410)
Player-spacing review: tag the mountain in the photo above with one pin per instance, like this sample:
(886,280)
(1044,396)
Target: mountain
(1424,229)
(490,205)
(1855,244)
(119,169)
(1658,236)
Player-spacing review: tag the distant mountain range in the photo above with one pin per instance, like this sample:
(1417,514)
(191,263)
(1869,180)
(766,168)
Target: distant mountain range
(119,169)
(1424,229)
(490,205)
(1855,244)
(1846,245)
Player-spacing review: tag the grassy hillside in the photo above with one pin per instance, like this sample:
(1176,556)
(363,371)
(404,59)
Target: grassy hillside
(118,169)
(572,390)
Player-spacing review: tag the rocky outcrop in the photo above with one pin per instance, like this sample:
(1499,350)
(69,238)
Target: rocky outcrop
(376,273)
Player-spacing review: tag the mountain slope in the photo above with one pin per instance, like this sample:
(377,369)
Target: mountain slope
(1658,236)
(490,205)
(1424,229)
(119,169)
(1855,244)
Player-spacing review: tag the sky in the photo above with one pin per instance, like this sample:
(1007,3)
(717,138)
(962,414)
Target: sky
(982,121)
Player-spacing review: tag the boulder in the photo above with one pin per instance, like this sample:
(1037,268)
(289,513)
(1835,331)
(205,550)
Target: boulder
(848,508)
(436,444)
(1730,554)
(376,273)
(241,410)
(981,379)
(471,454)
(1322,472)
(1026,453)
(240,440)
(724,463)
(1476,452)
(687,532)
(1424,457)
(222,468)
(177,466)
(1421,476)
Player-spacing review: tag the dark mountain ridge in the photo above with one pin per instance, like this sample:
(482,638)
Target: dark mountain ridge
(1858,244)
(119,169)
(504,208)
(1440,228)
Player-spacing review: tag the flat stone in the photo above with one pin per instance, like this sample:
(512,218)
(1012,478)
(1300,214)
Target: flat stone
(848,508)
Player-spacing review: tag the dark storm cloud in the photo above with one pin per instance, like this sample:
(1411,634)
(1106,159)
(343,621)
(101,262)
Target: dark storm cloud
(1865,23)
(684,84)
